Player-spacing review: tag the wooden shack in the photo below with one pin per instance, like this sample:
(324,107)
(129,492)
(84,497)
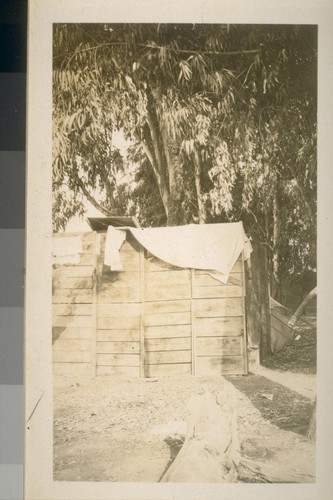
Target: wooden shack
(150,319)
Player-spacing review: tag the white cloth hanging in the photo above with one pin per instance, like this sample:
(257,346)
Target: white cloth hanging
(114,240)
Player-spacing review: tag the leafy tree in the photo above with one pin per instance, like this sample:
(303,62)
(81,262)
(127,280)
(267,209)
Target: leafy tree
(222,121)
(157,83)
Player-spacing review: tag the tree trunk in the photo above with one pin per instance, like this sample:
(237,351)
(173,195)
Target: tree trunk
(202,210)
(311,434)
(162,186)
(176,214)
(276,290)
(299,311)
(156,154)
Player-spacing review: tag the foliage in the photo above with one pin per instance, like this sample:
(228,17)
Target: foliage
(221,118)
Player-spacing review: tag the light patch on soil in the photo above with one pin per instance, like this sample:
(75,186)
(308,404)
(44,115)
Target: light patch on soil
(109,429)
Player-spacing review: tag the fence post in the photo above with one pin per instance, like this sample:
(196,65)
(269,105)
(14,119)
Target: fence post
(257,306)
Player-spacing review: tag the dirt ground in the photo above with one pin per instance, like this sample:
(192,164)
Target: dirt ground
(113,429)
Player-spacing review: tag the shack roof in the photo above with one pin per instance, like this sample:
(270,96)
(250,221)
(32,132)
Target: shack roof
(100,224)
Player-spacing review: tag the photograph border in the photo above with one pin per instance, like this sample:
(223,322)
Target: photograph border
(39,482)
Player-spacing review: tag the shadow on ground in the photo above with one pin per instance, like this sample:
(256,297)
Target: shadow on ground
(284,408)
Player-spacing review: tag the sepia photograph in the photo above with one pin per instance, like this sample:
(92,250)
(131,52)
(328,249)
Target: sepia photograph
(182,243)
(184,313)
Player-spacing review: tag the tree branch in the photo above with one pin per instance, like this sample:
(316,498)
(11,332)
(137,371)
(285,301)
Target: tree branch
(92,199)
(299,311)
(158,47)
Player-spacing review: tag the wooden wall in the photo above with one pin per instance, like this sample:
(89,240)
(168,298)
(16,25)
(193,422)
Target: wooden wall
(72,310)
(118,313)
(151,319)
(167,318)
(219,323)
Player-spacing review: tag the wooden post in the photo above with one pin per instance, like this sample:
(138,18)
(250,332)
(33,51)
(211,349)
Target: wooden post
(264,301)
(244,343)
(252,310)
(142,314)
(193,326)
(258,304)
(96,241)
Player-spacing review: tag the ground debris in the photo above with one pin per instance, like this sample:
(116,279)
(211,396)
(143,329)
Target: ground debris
(138,428)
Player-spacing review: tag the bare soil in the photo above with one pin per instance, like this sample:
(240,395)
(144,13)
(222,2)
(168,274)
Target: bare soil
(113,429)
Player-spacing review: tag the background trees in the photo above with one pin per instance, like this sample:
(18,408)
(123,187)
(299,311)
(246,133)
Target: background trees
(221,121)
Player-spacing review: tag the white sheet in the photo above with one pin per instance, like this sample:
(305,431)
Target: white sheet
(213,247)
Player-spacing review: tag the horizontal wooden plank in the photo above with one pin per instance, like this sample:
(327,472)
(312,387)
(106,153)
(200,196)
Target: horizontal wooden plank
(202,292)
(128,310)
(71,356)
(169,344)
(226,327)
(70,321)
(72,309)
(226,346)
(218,307)
(237,268)
(84,235)
(119,279)
(113,293)
(118,359)
(166,319)
(130,245)
(118,335)
(86,259)
(74,271)
(153,264)
(167,306)
(167,292)
(153,358)
(168,277)
(118,323)
(236,279)
(77,260)
(118,371)
(129,262)
(217,365)
(163,332)
(72,345)
(105,274)
(73,283)
(87,242)
(129,258)
(118,347)
(71,369)
(168,370)
(83,296)
(75,332)
(203,278)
